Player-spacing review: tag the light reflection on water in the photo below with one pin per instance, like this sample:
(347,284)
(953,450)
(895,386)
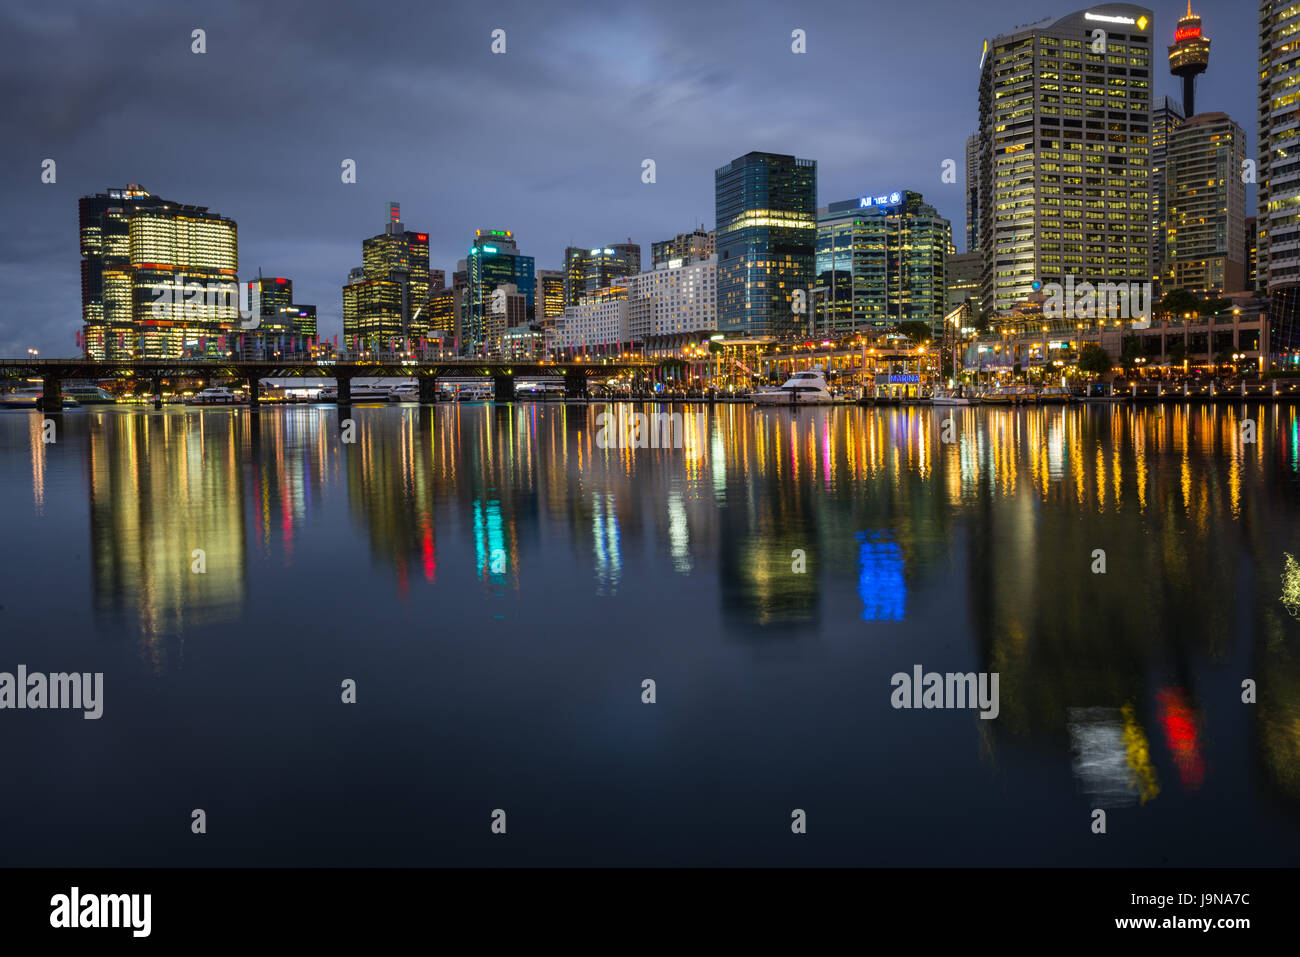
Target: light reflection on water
(472,547)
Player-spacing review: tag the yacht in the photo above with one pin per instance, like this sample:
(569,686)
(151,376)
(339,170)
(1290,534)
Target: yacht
(405,392)
(953,398)
(90,395)
(1011,395)
(1055,395)
(217,395)
(358,393)
(369,393)
(803,388)
(31,398)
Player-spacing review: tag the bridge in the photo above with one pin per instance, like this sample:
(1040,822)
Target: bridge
(576,373)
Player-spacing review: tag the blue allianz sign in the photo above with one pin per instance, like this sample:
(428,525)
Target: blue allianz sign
(892,199)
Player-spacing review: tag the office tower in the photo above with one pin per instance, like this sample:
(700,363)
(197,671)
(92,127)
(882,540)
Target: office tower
(673,304)
(1189,56)
(304,323)
(445,310)
(684,246)
(587,270)
(1252,254)
(270,299)
(766,207)
(963,277)
(1205,207)
(494,260)
(1065,144)
(1166,116)
(437,279)
(158,278)
(1278,146)
(973,193)
(880,262)
(550,296)
(384,303)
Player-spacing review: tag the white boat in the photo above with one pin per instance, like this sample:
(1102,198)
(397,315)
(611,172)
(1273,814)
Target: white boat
(1011,395)
(475,393)
(31,398)
(405,392)
(369,393)
(1055,394)
(90,395)
(952,398)
(217,395)
(803,388)
(358,393)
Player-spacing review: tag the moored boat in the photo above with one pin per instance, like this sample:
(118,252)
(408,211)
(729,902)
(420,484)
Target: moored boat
(803,388)
(1011,395)
(217,395)
(32,397)
(1055,395)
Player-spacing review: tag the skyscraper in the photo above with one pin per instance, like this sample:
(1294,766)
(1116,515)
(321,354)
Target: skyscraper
(766,241)
(1205,207)
(283,325)
(387,302)
(550,297)
(880,262)
(1189,56)
(1065,139)
(158,278)
(687,247)
(494,260)
(1279,147)
(1166,116)
(973,193)
(1252,272)
(587,270)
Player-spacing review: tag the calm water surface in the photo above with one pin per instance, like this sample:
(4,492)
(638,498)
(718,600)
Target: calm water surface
(498,587)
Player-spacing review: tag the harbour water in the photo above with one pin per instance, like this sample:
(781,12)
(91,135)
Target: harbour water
(499,587)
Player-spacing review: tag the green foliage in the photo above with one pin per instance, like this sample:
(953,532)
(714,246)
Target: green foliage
(918,332)
(1093,360)
(1178,302)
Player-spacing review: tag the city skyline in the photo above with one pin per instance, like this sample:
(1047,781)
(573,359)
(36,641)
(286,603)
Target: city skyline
(551,188)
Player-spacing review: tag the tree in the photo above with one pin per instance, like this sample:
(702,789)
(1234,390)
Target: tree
(1093,360)
(1212,307)
(918,332)
(1177,302)
(1130,352)
(1177,351)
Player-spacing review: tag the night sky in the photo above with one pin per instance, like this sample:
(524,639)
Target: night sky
(546,140)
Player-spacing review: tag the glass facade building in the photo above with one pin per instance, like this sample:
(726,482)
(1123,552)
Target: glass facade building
(880,262)
(550,296)
(1279,147)
(766,206)
(1166,116)
(494,260)
(158,279)
(589,270)
(386,301)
